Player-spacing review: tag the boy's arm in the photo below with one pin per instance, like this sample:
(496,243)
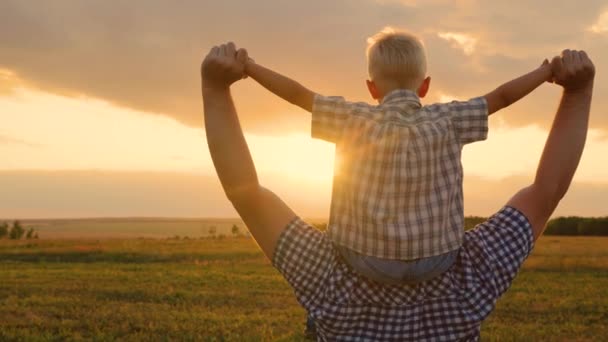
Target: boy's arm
(513,91)
(281,86)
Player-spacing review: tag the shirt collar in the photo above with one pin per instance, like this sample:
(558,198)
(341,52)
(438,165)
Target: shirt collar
(401,96)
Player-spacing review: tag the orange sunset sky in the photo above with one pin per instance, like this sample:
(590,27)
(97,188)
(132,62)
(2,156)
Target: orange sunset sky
(101,115)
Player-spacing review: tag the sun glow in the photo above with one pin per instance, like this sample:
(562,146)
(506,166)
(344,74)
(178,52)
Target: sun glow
(41,131)
(294,156)
(44,131)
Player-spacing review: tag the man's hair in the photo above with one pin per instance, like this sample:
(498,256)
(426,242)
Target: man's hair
(396,55)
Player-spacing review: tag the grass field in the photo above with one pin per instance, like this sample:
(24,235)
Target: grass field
(218,290)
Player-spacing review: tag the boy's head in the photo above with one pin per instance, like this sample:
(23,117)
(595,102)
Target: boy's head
(396,60)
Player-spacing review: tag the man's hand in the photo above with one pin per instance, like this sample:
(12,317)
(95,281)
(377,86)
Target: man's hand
(223,66)
(573,70)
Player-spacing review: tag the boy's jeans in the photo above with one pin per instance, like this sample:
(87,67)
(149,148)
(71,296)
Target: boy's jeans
(389,271)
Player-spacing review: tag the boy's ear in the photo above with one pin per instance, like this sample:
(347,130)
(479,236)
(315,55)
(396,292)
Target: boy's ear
(373,90)
(424,87)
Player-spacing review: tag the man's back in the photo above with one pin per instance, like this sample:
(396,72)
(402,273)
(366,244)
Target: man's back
(451,307)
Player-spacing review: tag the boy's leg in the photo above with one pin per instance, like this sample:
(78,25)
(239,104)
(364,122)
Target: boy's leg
(311,330)
(395,272)
(265,214)
(565,144)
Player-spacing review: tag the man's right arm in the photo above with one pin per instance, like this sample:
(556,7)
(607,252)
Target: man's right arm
(565,144)
(282,86)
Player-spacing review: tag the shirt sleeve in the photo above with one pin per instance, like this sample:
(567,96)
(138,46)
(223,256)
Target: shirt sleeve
(499,247)
(305,257)
(329,117)
(470,119)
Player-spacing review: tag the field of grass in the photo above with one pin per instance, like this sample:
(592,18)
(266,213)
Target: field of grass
(218,290)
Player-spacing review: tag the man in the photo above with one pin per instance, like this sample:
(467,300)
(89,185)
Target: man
(346,306)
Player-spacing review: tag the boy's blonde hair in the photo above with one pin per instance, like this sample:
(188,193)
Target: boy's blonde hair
(397,56)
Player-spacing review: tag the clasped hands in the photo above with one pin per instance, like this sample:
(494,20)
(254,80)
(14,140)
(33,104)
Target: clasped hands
(225,64)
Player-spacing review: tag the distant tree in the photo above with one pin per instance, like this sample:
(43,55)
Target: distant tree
(212,231)
(471,221)
(578,226)
(30,234)
(36,236)
(593,227)
(564,226)
(235,230)
(320,226)
(3,230)
(17,231)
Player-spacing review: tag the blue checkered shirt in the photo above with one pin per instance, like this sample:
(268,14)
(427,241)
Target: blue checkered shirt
(397,191)
(451,307)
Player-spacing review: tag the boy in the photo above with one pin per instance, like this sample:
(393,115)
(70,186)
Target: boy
(397,204)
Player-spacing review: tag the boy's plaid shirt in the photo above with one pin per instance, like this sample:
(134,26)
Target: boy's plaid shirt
(397,191)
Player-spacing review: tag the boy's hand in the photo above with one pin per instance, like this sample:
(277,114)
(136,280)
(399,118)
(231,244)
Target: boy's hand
(573,70)
(223,66)
(546,65)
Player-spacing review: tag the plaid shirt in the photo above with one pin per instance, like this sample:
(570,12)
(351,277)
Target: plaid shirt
(452,306)
(397,191)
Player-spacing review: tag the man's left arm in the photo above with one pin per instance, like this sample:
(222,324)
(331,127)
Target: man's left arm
(264,213)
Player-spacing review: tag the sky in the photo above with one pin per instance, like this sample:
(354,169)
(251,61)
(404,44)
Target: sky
(101,114)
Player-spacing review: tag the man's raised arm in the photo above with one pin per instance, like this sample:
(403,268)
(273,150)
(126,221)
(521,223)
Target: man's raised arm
(262,211)
(564,147)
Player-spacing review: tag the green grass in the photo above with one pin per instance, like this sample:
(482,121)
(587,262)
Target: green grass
(219,290)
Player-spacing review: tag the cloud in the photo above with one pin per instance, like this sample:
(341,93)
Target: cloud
(5,139)
(463,41)
(146,54)
(8,82)
(54,194)
(583,198)
(407,3)
(601,25)
(39,194)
